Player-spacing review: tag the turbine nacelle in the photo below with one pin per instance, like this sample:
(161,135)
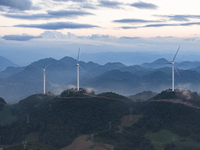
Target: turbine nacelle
(44,82)
(173,66)
(78,66)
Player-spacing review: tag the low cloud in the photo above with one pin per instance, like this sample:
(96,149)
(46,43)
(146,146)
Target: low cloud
(57,88)
(57,35)
(143,5)
(94,47)
(50,15)
(23,37)
(17,4)
(57,26)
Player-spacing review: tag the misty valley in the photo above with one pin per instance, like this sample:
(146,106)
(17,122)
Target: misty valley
(117,107)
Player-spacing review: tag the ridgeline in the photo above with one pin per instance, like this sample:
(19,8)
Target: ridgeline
(53,122)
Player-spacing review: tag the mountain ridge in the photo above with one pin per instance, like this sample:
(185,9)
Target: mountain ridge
(17,83)
(55,121)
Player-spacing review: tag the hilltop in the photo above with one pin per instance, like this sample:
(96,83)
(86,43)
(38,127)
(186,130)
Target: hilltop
(143,96)
(56,122)
(184,97)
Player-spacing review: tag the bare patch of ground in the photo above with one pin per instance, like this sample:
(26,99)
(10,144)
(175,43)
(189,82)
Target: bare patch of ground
(84,143)
(126,121)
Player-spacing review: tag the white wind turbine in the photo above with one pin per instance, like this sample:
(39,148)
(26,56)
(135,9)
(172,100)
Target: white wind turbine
(44,74)
(173,66)
(78,66)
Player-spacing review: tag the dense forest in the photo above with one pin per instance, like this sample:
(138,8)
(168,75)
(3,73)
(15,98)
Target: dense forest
(53,122)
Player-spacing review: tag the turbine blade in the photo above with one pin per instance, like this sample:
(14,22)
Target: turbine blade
(177,72)
(37,67)
(49,64)
(69,67)
(78,55)
(83,70)
(176,54)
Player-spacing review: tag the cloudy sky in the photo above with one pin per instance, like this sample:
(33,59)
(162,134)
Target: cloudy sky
(35,29)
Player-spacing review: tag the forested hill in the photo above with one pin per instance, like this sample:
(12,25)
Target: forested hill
(58,120)
(52,122)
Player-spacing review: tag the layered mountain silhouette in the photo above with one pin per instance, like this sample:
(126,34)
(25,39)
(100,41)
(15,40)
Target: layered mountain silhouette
(16,82)
(4,63)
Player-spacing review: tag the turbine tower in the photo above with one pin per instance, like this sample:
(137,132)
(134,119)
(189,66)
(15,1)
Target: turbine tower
(44,77)
(78,66)
(173,67)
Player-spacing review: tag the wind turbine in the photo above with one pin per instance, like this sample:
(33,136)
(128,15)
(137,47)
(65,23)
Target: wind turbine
(173,66)
(78,66)
(44,74)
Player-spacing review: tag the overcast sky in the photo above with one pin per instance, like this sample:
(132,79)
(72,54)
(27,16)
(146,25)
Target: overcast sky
(35,29)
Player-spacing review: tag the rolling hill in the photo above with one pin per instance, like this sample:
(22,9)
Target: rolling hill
(56,121)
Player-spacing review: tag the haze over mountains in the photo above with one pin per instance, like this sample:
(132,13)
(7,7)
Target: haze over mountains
(17,83)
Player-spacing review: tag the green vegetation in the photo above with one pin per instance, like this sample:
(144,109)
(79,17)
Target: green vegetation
(113,95)
(74,93)
(168,94)
(67,118)
(162,137)
(187,96)
(176,118)
(132,138)
(6,116)
(143,96)
(56,121)
(165,138)
(31,146)
(2,103)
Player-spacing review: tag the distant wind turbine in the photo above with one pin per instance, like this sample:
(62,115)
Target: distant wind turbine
(44,74)
(78,66)
(173,66)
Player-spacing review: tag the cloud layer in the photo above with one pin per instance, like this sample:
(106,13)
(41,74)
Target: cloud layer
(17,4)
(184,20)
(57,26)
(135,21)
(70,0)
(143,5)
(23,37)
(109,4)
(50,15)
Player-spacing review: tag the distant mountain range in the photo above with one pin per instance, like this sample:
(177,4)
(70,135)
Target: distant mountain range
(17,83)
(4,63)
(162,63)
